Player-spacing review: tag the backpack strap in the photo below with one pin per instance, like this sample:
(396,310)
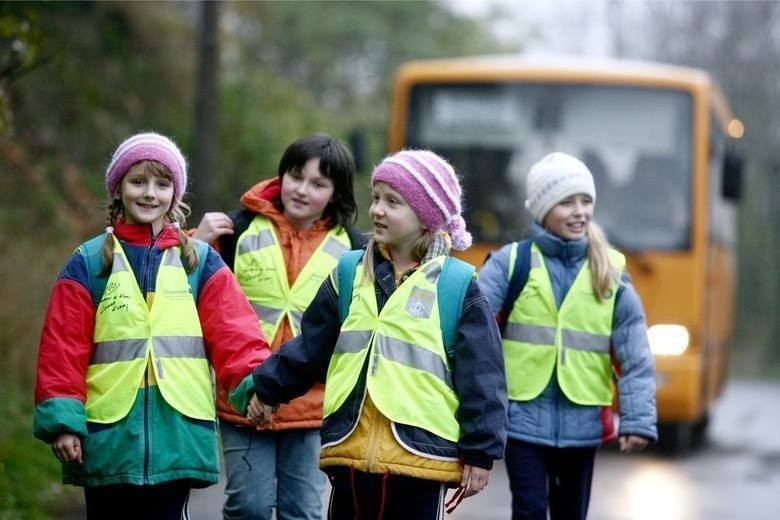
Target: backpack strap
(92,252)
(227,243)
(346,267)
(455,277)
(518,276)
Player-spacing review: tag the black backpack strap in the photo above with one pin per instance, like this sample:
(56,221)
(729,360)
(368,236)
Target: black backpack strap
(227,243)
(357,238)
(517,281)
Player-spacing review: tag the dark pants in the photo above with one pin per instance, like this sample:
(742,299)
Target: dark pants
(161,502)
(539,475)
(372,496)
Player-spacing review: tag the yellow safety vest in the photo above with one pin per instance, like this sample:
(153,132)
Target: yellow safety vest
(409,378)
(128,335)
(573,341)
(261,272)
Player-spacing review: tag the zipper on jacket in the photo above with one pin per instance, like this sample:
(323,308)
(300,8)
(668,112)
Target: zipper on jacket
(146,425)
(146,280)
(372,446)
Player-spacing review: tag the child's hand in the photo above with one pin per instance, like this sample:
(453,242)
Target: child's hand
(257,412)
(630,443)
(67,448)
(212,226)
(474,479)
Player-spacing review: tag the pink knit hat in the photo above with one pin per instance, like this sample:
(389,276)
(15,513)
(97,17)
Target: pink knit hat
(430,186)
(147,146)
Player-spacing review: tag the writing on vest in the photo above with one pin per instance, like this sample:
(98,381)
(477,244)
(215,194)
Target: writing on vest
(573,342)
(402,348)
(261,272)
(129,336)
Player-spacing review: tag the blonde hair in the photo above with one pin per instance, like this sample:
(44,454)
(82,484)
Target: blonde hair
(419,248)
(603,273)
(177,214)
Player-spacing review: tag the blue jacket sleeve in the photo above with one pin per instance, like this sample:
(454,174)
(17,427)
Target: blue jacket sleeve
(494,278)
(636,383)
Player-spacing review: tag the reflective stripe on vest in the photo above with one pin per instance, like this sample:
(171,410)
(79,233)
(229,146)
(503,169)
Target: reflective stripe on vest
(128,334)
(573,341)
(409,376)
(261,272)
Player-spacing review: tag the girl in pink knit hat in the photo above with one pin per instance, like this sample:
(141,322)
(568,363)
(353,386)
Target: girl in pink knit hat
(138,318)
(415,400)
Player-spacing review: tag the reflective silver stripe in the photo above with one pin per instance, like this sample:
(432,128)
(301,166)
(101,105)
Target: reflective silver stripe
(534,334)
(119,264)
(179,347)
(296,319)
(588,341)
(535,260)
(266,314)
(256,242)
(413,356)
(334,248)
(118,350)
(432,271)
(352,341)
(173,259)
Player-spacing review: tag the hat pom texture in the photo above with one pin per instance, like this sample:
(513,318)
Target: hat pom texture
(430,186)
(552,179)
(147,147)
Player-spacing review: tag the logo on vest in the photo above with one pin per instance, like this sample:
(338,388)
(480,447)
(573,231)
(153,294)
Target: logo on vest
(420,303)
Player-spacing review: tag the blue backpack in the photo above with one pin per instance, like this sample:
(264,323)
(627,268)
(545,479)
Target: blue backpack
(455,277)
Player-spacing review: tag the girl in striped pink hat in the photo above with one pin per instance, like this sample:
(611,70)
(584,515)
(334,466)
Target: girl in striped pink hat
(137,321)
(415,399)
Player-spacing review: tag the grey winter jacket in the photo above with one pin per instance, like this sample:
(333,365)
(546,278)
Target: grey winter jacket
(551,419)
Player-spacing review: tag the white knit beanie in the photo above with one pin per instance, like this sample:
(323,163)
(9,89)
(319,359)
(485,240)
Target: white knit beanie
(552,179)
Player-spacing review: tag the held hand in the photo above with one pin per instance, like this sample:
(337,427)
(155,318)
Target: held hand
(212,226)
(629,443)
(257,412)
(474,479)
(67,448)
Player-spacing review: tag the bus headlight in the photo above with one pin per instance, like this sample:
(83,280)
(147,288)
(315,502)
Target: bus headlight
(668,340)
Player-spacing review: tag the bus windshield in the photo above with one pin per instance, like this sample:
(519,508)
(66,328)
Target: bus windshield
(636,142)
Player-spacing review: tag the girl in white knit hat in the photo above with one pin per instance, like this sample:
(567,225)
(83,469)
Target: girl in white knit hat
(571,322)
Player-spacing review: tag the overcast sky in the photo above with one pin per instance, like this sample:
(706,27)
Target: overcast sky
(546,26)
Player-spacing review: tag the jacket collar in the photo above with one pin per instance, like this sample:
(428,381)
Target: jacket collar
(265,198)
(552,245)
(141,235)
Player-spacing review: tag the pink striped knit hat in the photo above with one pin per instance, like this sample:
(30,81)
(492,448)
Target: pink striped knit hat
(147,146)
(430,186)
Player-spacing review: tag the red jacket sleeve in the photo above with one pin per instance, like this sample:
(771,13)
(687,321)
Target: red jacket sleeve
(66,343)
(234,340)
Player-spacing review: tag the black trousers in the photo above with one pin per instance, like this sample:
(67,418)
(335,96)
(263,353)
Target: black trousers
(544,476)
(168,501)
(372,496)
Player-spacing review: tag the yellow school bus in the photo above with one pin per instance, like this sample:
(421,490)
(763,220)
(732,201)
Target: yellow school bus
(659,140)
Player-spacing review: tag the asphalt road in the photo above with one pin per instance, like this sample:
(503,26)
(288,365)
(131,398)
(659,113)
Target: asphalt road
(736,475)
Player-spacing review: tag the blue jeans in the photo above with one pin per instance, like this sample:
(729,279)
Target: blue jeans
(272,469)
(545,476)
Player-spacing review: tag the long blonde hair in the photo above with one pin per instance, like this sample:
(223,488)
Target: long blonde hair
(177,214)
(603,273)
